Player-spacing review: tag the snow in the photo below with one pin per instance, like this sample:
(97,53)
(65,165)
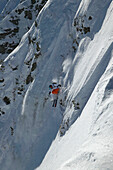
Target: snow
(16,19)
(77,52)
(2,4)
(9,6)
(92,63)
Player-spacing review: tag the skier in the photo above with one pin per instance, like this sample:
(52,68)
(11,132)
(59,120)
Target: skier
(54,91)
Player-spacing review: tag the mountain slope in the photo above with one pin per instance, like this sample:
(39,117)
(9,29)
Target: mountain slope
(71,45)
(2,5)
(92,130)
(7,6)
(20,18)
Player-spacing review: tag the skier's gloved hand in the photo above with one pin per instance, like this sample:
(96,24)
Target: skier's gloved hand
(49,93)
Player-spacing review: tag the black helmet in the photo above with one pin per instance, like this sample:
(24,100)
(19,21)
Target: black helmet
(50,86)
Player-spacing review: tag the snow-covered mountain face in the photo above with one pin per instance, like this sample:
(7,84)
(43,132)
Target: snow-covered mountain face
(71,43)
(6,6)
(16,19)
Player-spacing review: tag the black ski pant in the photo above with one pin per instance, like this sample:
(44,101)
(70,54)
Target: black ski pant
(54,103)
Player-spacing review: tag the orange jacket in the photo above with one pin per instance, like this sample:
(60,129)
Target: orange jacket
(55,91)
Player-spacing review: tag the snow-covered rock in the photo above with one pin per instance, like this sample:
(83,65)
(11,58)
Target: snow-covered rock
(18,17)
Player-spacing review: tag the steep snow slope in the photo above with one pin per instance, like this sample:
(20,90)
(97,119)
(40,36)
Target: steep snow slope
(19,20)
(69,44)
(24,94)
(88,143)
(2,5)
(7,6)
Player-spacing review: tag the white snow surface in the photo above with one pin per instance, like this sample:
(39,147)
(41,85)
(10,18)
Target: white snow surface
(73,46)
(15,20)
(6,6)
